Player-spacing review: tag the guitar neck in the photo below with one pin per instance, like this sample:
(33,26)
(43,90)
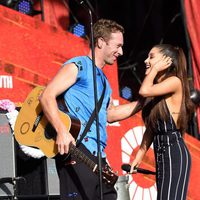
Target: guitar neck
(83,158)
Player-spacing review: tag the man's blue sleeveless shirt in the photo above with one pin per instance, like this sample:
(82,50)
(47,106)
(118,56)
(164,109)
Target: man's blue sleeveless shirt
(79,99)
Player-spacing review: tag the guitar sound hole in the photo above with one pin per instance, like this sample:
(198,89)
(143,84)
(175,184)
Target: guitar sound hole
(50,132)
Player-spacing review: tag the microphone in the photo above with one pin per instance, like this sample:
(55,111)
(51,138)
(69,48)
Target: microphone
(86,4)
(127,168)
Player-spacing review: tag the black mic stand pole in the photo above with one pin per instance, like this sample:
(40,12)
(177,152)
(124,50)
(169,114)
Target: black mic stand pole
(95,98)
(96,110)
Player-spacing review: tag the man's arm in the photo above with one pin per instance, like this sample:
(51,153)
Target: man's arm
(65,77)
(120,112)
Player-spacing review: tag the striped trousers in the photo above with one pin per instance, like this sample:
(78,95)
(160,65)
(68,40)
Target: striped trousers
(173,164)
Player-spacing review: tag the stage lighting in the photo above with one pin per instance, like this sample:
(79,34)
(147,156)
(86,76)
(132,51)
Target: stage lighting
(8,3)
(78,30)
(195,96)
(126,93)
(25,7)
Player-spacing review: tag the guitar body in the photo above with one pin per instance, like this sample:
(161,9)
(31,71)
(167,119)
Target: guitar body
(33,129)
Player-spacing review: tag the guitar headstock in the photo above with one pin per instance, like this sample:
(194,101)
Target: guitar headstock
(109,177)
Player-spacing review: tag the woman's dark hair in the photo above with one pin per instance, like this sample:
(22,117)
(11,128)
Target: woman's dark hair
(178,68)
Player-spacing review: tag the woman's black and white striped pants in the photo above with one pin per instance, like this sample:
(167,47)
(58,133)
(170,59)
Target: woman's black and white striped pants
(173,163)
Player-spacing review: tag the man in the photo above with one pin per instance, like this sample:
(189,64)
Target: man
(75,81)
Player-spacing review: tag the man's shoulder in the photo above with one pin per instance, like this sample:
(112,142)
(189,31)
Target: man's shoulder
(77,59)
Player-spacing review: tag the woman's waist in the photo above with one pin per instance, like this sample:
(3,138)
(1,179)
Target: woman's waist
(167,138)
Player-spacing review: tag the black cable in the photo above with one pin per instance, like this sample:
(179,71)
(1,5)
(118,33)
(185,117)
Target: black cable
(190,71)
(131,66)
(68,8)
(42,10)
(170,23)
(72,14)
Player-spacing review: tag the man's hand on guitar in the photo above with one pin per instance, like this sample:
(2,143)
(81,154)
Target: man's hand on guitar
(63,140)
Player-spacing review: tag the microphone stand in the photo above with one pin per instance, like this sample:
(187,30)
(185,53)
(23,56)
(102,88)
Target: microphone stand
(13,181)
(88,7)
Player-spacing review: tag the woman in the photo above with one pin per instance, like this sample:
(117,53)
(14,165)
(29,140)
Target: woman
(165,113)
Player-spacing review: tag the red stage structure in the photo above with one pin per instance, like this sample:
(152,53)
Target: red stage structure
(32,51)
(193,28)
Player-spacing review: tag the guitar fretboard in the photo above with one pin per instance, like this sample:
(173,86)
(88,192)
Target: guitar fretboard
(82,157)
(108,176)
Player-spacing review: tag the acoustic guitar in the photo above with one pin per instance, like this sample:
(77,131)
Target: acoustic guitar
(33,129)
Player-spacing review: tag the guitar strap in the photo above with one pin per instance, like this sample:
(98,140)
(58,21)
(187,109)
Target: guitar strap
(90,121)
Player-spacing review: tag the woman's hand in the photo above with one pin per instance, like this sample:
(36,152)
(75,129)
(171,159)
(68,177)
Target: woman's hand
(162,64)
(135,164)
